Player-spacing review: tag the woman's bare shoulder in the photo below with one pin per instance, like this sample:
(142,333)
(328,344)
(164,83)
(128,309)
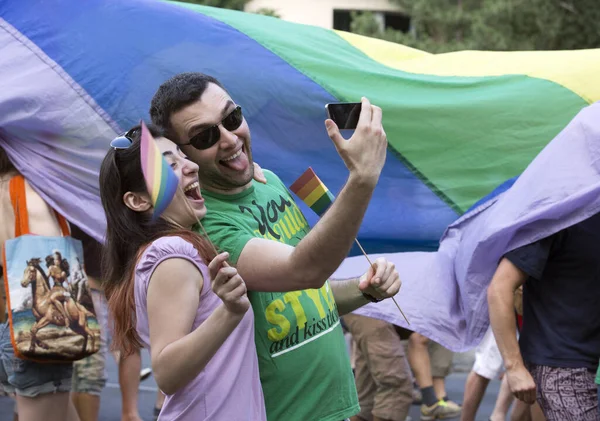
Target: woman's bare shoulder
(42,220)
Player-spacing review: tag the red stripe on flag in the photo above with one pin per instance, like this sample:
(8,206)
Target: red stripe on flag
(308,175)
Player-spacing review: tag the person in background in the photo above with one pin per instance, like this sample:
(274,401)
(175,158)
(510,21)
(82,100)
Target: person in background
(430,363)
(383,379)
(489,365)
(89,374)
(41,390)
(556,357)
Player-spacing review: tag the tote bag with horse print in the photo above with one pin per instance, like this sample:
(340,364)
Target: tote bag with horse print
(50,312)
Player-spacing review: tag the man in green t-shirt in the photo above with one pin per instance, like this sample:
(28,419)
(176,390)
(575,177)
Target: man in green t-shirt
(304,367)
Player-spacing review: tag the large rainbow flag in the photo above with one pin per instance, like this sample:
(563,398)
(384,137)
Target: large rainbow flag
(77,73)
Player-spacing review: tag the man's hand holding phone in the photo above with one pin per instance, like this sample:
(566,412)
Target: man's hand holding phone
(344,114)
(365,152)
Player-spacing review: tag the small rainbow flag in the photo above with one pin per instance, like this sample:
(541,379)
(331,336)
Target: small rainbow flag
(313,192)
(160,178)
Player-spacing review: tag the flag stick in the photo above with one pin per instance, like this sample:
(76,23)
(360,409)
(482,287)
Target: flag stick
(373,267)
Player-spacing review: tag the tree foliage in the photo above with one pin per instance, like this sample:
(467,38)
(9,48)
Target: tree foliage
(500,25)
(234,5)
(267,12)
(225,4)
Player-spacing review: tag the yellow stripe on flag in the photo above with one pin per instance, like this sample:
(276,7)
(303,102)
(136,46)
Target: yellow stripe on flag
(316,195)
(157,172)
(309,187)
(570,69)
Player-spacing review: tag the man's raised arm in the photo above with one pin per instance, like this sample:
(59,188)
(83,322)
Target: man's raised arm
(269,265)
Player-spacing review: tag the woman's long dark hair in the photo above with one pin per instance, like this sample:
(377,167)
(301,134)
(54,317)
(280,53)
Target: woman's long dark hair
(6,165)
(127,235)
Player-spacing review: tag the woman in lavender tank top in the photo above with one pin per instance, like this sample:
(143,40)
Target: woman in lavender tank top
(162,295)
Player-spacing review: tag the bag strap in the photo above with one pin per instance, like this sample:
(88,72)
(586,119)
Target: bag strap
(18,199)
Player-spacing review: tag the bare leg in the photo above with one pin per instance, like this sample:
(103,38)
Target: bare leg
(47,407)
(129,380)
(536,413)
(72,412)
(475,388)
(57,300)
(87,406)
(439,385)
(503,402)
(521,411)
(418,357)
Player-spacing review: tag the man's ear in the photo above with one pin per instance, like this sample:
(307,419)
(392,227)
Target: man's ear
(138,202)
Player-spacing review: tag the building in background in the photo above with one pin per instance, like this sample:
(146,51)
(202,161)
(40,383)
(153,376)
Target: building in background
(334,14)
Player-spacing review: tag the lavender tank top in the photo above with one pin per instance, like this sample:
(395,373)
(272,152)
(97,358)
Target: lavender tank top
(229,386)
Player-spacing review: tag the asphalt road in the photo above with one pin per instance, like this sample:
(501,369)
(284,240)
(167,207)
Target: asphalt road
(110,409)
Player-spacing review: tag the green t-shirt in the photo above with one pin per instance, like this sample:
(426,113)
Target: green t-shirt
(304,365)
(598,375)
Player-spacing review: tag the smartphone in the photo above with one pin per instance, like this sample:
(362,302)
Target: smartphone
(344,114)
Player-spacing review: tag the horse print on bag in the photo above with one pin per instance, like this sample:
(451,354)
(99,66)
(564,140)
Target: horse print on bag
(52,313)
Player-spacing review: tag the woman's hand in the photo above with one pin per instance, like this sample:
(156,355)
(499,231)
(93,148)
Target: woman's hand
(259,175)
(228,285)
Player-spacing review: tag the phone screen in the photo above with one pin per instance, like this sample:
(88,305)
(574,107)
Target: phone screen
(344,114)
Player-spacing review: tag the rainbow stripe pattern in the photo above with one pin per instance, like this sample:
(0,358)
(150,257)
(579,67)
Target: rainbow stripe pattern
(458,125)
(313,192)
(160,178)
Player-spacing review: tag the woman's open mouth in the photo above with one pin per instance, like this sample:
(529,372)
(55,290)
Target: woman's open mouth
(193,191)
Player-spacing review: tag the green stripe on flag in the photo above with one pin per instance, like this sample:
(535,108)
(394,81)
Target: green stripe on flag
(321,205)
(462,136)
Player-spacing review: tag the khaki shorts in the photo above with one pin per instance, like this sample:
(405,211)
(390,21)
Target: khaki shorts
(383,378)
(441,360)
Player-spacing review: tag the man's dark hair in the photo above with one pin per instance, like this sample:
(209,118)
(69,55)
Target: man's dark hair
(6,165)
(176,93)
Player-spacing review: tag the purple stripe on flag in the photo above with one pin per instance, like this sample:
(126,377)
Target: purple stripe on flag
(444,292)
(53,131)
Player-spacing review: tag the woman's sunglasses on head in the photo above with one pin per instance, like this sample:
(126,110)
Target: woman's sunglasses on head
(203,140)
(124,141)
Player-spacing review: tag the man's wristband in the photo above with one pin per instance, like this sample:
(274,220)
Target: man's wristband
(371,298)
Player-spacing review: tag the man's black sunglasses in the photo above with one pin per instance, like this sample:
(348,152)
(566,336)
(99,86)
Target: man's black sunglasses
(211,135)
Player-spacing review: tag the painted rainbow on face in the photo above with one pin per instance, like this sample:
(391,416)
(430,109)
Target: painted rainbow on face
(160,178)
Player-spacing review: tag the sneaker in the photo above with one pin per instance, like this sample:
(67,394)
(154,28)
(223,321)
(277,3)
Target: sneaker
(440,410)
(453,405)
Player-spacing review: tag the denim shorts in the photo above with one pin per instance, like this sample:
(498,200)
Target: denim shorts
(28,378)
